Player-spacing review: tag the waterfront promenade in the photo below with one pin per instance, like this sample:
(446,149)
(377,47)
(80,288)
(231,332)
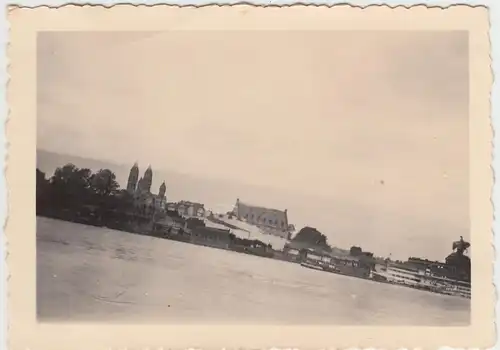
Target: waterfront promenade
(88,273)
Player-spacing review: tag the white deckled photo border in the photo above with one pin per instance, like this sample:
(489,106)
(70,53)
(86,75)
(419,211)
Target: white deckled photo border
(20,134)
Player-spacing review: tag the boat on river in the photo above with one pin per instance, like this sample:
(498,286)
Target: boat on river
(424,280)
(346,265)
(317,261)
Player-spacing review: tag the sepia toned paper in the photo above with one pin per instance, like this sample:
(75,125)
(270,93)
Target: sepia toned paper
(26,27)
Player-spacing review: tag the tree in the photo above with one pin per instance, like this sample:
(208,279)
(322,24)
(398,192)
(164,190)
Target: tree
(355,251)
(104,182)
(42,186)
(123,201)
(64,174)
(312,236)
(70,185)
(40,177)
(41,182)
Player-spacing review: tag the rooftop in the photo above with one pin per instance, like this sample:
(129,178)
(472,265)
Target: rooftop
(189,203)
(260,207)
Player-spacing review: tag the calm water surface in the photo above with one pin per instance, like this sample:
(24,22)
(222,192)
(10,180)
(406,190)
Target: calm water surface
(93,274)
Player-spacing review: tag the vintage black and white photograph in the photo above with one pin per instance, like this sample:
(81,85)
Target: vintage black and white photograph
(243,177)
(248,177)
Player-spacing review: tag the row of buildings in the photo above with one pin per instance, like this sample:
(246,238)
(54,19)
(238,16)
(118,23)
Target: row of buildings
(269,221)
(179,220)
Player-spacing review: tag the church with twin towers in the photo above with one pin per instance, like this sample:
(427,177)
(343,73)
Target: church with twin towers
(140,188)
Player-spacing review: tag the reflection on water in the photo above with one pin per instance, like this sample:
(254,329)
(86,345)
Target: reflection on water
(94,274)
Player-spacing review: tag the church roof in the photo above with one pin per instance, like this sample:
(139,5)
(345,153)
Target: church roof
(183,202)
(260,208)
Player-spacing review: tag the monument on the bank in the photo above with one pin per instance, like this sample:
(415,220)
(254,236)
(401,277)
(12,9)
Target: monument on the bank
(458,259)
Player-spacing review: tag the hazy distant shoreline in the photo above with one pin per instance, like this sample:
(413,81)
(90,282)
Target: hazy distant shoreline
(303,209)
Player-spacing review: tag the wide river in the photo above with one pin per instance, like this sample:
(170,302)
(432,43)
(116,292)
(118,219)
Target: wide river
(93,274)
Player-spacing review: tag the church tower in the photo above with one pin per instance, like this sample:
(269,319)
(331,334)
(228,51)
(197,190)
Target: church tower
(132,178)
(147,180)
(163,189)
(140,186)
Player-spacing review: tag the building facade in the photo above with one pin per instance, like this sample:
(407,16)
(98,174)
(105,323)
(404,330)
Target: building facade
(188,209)
(271,221)
(133,177)
(144,201)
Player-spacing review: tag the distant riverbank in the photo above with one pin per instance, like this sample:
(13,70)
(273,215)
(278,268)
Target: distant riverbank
(95,198)
(232,243)
(148,228)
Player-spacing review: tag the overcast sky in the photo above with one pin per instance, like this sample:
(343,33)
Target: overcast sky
(372,124)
